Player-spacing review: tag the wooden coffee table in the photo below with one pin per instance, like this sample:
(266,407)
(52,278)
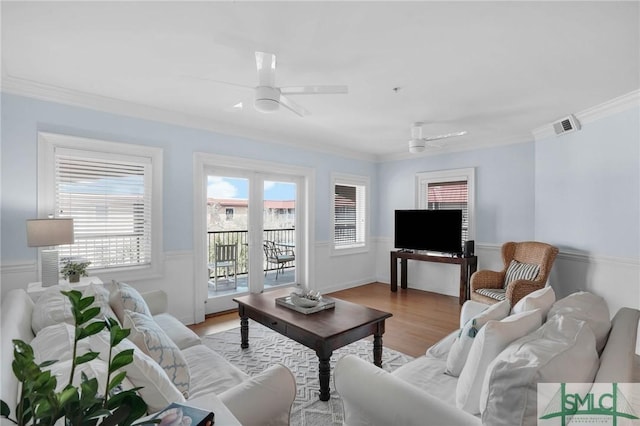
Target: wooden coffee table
(322,331)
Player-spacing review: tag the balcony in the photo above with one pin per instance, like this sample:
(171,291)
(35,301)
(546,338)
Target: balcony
(282,237)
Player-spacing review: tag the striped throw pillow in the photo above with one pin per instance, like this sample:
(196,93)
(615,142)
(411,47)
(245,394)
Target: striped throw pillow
(521,271)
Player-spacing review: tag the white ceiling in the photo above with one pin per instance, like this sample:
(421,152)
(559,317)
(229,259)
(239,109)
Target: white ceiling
(495,69)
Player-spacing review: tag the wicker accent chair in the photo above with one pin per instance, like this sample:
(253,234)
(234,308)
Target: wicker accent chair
(527,252)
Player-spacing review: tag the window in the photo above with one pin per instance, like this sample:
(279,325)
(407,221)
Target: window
(450,190)
(229,213)
(111,197)
(349,213)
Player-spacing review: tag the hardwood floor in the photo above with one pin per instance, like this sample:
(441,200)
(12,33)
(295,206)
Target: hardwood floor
(419,319)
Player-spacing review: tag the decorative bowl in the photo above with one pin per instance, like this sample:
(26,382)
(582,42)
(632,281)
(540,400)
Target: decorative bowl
(303,301)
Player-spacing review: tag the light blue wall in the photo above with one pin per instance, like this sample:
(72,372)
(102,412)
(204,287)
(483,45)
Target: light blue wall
(580,191)
(504,189)
(588,187)
(23,118)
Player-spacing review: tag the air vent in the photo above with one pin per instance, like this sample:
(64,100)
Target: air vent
(566,125)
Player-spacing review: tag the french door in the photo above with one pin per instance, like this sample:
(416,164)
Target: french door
(252,227)
(277,201)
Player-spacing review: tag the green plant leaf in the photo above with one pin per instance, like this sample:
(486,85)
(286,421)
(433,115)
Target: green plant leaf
(94,328)
(5,411)
(118,334)
(47,363)
(121,359)
(88,315)
(84,303)
(89,356)
(116,380)
(73,295)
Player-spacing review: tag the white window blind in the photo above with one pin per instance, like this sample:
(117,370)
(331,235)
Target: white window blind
(450,195)
(349,215)
(109,199)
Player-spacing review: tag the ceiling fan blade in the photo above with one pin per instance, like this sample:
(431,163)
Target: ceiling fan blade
(315,90)
(294,107)
(266,64)
(445,136)
(213,80)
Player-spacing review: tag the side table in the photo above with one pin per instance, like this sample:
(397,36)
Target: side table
(34,290)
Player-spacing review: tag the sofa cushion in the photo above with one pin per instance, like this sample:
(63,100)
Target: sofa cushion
(210,372)
(520,271)
(461,346)
(562,350)
(157,390)
(181,335)
(150,338)
(95,368)
(586,307)
(492,339)
(124,297)
(541,299)
(428,374)
(55,343)
(51,308)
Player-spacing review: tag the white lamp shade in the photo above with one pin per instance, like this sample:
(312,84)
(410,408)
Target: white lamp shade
(49,232)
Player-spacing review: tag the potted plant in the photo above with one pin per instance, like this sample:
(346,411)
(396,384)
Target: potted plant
(78,404)
(73,270)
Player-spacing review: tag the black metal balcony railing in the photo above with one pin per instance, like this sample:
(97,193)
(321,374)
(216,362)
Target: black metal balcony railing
(286,236)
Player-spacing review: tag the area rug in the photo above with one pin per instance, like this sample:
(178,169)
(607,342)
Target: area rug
(266,347)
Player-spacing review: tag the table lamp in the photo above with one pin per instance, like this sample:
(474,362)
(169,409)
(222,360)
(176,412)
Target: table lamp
(49,233)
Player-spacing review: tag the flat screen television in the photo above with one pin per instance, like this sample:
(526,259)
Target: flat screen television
(429,230)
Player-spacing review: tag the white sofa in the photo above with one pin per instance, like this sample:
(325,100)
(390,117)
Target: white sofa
(562,349)
(215,384)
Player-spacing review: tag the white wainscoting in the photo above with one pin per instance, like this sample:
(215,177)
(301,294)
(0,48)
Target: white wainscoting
(617,279)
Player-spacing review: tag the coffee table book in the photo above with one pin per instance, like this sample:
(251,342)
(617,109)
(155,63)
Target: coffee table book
(325,303)
(177,414)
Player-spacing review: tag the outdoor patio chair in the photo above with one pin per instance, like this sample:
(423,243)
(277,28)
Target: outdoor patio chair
(277,255)
(226,256)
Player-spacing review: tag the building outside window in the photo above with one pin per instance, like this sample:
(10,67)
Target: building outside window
(349,213)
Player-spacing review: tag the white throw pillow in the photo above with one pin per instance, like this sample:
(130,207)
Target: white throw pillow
(470,309)
(55,343)
(157,389)
(94,368)
(586,307)
(441,348)
(101,300)
(562,350)
(492,339)
(123,296)
(462,345)
(541,299)
(52,308)
(150,338)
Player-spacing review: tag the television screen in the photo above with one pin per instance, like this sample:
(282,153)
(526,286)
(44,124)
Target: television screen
(431,230)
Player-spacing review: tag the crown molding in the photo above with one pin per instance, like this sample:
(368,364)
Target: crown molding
(51,93)
(589,115)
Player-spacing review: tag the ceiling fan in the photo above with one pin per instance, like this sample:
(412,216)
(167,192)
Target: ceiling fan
(269,98)
(418,143)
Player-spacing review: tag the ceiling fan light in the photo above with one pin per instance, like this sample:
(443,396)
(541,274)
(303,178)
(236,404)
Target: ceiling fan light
(416,145)
(267,99)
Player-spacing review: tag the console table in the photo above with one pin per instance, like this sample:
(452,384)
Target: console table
(468,265)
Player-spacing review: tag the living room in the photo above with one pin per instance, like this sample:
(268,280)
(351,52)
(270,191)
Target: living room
(579,191)
(550,181)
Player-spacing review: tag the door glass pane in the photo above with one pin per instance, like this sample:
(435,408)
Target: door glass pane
(279,219)
(227,232)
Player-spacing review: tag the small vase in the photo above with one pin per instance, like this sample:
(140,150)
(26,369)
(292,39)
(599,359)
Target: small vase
(74,278)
